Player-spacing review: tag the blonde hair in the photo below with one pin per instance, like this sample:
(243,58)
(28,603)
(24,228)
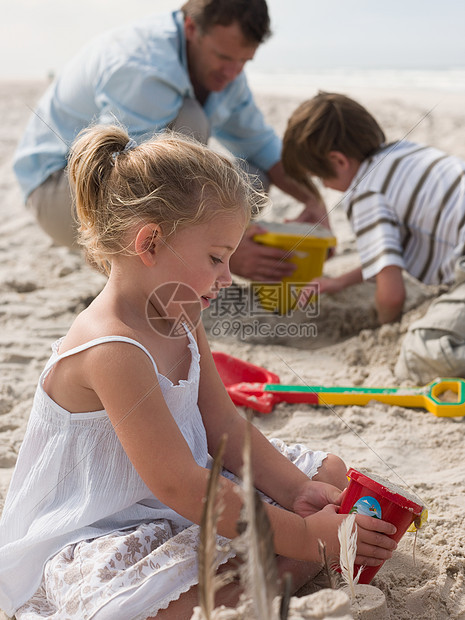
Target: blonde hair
(328,122)
(169,180)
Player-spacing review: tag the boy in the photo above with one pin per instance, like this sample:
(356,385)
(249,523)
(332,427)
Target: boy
(406,205)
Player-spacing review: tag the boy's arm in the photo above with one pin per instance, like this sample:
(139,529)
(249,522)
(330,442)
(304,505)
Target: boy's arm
(390,294)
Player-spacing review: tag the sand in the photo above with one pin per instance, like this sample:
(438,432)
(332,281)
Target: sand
(43,287)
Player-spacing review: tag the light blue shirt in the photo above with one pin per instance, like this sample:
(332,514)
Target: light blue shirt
(138,76)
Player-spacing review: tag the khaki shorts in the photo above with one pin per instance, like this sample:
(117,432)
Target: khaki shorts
(193,121)
(53,208)
(434,346)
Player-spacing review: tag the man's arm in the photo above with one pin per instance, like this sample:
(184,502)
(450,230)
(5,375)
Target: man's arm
(314,207)
(257,262)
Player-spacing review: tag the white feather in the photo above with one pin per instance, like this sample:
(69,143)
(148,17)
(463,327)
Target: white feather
(347,534)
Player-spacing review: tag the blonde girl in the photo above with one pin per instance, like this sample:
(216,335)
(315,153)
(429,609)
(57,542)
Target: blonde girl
(101,519)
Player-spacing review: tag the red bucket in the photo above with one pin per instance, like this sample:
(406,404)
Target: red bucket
(380,499)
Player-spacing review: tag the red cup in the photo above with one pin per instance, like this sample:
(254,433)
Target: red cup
(382,500)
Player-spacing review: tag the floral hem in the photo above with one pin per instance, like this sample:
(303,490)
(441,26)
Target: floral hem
(120,575)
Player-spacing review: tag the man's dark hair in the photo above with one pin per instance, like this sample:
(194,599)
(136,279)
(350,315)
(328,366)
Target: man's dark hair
(251,15)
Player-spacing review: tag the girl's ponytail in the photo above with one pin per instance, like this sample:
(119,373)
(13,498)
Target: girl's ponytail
(91,167)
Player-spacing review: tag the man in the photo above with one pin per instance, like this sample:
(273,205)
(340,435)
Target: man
(182,71)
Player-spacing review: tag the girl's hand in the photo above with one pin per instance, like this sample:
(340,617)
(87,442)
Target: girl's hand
(373,543)
(314,496)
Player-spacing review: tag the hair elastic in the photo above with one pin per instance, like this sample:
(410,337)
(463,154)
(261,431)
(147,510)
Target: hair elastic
(131,144)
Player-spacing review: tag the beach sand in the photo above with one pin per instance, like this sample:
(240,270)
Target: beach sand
(43,287)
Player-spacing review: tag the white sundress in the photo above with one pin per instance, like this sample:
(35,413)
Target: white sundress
(131,571)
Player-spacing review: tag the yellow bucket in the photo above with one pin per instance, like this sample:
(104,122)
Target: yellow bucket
(308,246)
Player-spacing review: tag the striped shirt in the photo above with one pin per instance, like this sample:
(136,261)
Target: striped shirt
(406,206)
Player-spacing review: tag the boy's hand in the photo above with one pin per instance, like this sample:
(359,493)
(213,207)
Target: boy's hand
(318,286)
(324,284)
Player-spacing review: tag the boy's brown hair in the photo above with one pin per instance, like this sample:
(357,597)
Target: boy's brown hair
(328,122)
(251,15)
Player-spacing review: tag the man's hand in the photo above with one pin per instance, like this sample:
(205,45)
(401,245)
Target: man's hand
(259,262)
(314,212)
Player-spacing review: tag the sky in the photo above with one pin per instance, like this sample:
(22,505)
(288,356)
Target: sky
(39,36)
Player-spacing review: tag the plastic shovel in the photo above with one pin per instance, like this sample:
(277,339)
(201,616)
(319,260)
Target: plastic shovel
(252,386)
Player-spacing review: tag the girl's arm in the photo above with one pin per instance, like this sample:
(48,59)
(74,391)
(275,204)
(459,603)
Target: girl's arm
(129,391)
(274,474)
(294,536)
